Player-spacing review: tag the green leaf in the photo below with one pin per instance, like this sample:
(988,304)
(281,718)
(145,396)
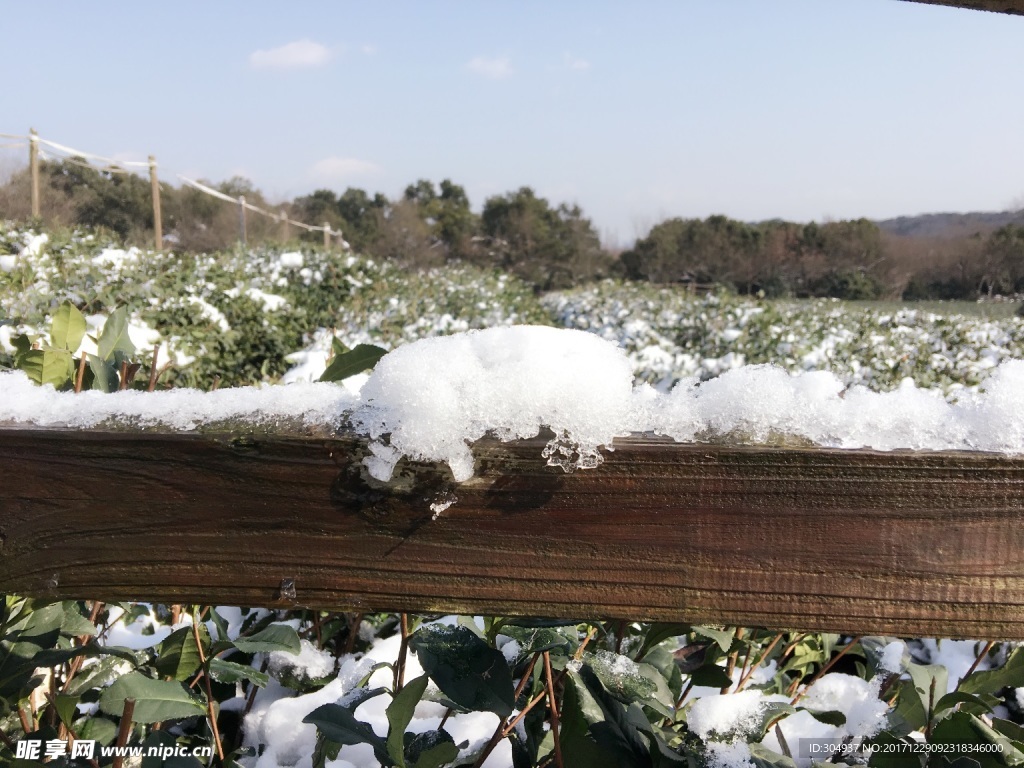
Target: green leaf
(292,675)
(963,729)
(560,640)
(327,746)
(96,675)
(399,713)
(970,703)
(1009,729)
(597,730)
(659,633)
(276,637)
(829,716)
(527,742)
(114,336)
(431,749)
(930,682)
(324,751)
(355,698)
(711,676)
(229,672)
(911,712)
(363,357)
(155,700)
(662,756)
(68,327)
(74,623)
(337,347)
(65,706)
(465,668)
(771,712)
(22,344)
(98,729)
(579,711)
(339,724)
(661,699)
(47,366)
(620,676)
(177,656)
(1010,675)
(31,629)
(124,358)
(762,757)
(53,657)
(379,665)
(35,627)
(663,660)
(814,649)
(723,637)
(220,624)
(104,376)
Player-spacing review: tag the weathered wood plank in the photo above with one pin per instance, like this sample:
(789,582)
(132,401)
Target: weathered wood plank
(865,542)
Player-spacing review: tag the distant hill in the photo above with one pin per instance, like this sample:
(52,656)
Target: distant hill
(949,225)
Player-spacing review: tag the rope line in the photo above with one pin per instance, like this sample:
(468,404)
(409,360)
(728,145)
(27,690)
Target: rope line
(43,154)
(81,159)
(90,156)
(207,190)
(254,208)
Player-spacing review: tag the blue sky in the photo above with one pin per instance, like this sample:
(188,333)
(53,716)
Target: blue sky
(636,111)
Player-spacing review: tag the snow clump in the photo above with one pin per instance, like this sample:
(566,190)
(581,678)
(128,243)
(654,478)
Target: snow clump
(433,397)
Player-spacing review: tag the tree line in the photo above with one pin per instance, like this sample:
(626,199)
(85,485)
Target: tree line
(851,259)
(550,246)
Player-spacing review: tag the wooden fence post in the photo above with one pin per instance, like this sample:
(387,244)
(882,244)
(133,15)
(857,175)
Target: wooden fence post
(33,162)
(158,226)
(285,233)
(327,235)
(241,218)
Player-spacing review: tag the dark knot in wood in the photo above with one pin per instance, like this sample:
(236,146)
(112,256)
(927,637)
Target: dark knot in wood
(399,506)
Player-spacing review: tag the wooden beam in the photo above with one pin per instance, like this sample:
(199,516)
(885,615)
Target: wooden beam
(996,6)
(904,544)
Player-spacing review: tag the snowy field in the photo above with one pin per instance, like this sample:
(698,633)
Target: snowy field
(671,335)
(207,312)
(688,366)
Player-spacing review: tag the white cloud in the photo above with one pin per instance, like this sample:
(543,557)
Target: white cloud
(299,54)
(368,49)
(495,69)
(335,169)
(580,65)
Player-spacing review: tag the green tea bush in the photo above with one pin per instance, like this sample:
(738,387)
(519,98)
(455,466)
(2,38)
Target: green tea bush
(261,688)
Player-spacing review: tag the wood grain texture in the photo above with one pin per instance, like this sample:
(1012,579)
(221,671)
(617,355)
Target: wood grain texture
(852,541)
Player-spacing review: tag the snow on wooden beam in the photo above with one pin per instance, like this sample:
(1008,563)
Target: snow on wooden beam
(925,544)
